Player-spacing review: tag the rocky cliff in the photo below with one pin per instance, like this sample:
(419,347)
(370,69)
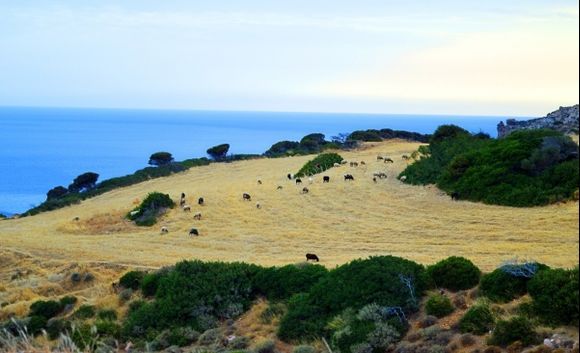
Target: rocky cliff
(564,119)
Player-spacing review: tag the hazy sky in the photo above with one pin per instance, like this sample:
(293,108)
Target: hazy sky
(498,57)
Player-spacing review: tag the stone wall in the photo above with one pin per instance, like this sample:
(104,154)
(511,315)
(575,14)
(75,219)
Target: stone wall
(564,120)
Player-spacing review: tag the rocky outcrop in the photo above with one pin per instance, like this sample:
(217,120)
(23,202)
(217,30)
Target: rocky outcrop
(564,120)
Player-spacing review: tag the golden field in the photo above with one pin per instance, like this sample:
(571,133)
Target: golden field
(339,221)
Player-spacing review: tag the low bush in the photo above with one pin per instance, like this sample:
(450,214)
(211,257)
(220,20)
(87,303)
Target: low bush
(239,342)
(210,336)
(132,279)
(46,309)
(147,212)
(515,329)
(108,328)
(150,283)
(555,296)
(54,327)
(319,164)
(454,273)
(36,324)
(477,320)
(267,346)
(304,349)
(282,282)
(107,315)
(68,300)
(508,282)
(439,305)
(85,312)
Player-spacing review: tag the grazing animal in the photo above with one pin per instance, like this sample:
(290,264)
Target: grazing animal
(336,164)
(454,196)
(247,197)
(298,181)
(403,178)
(362,163)
(310,180)
(375,179)
(164,230)
(186,208)
(305,190)
(258,206)
(193,232)
(259,182)
(279,187)
(354,164)
(133,213)
(405,157)
(312,257)
(326,179)
(348,177)
(343,162)
(380,158)
(76,219)
(380,175)
(197,216)
(182,199)
(289,176)
(200,201)
(388,160)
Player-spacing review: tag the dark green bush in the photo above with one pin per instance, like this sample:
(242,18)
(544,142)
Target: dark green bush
(555,296)
(439,305)
(107,315)
(36,324)
(147,212)
(132,279)
(150,283)
(54,327)
(283,148)
(454,273)
(83,182)
(85,312)
(319,164)
(68,300)
(512,330)
(272,311)
(196,294)
(160,158)
(366,135)
(46,309)
(218,152)
(477,320)
(504,284)
(526,168)
(374,280)
(108,328)
(283,282)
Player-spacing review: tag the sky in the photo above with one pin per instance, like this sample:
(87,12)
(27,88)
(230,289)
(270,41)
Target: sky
(493,57)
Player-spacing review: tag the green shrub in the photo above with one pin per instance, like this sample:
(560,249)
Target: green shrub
(132,279)
(353,285)
(282,282)
(454,273)
(527,168)
(319,164)
(107,315)
(365,135)
(85,312)
(150,283)
(36,324)
(46,309)
(239,342)
(477,320)
(108,328)
(272,311)
(512,330)
(147,212)
(218,152)
(54,327)
(210,336)
(555,296)
(160,158)
(182,336)
(439,305)
(502,285)
(68,300)
(84,336)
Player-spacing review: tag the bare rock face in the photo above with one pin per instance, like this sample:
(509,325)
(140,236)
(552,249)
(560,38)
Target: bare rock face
(564,120)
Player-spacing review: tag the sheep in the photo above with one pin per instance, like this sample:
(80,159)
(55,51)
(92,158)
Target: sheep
(336,164)
(134,213)
(305,190)
(258,206)
(76,219)
(375,179)
(403,178)
(259,182)
(326,179)
(405,157)
(380,175)
(344,161)
(354,164)
(186,208)
(454,196)
(164,230)
(197,216)
(310,180)
(388,160)
(279,187)
(193,232)
(246,197)
(380,158)
(362,163)
(298,181)
(200,201)
(182,200)
(348,177)
(290,176)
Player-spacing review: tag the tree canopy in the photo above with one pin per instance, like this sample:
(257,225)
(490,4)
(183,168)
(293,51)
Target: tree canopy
(218,152)
(85,181)
(160,158)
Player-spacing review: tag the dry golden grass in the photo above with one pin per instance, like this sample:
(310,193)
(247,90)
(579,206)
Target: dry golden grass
(339,221)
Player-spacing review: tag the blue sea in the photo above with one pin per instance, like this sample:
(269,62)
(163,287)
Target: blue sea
(44,147)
